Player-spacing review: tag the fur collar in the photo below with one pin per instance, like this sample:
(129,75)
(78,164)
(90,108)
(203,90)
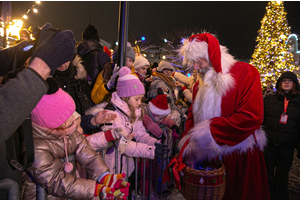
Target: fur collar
(81,72)
(212,88)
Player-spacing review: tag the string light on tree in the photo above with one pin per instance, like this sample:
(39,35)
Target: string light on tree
(271,56)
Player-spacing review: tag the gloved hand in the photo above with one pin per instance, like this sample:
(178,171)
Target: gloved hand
(118,132)
(114,180)
(161,150)
(112,81)
(163,138)
(175,136)
(111,193)
(54,47)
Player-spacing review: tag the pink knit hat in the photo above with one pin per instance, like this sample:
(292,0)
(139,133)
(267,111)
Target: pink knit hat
(128,84)
(53,109)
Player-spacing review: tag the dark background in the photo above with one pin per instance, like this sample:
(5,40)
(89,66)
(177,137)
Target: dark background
(234,22)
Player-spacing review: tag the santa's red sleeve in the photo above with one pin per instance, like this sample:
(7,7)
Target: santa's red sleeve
(242,118)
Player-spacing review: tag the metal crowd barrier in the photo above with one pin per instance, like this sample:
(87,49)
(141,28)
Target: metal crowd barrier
(42,195)
(11,187)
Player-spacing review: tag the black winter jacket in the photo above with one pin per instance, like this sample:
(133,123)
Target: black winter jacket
(74,82)
(93,57)
(286,135)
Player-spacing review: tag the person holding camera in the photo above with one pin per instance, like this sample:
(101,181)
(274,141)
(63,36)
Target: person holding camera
(20,95)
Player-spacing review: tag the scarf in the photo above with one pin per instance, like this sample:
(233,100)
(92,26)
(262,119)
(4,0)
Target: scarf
(168,80)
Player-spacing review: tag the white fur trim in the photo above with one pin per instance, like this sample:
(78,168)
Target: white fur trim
(191,51)
(96,109)
(202,145)
(208,99)
(81,72)
(157,111)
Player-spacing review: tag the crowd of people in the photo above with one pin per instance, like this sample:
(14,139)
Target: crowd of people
(62,100)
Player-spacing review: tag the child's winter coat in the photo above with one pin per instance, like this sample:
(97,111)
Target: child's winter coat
(48,166)
(144,145)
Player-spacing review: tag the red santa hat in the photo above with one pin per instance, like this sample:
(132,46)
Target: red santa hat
(204,46)
(159,105)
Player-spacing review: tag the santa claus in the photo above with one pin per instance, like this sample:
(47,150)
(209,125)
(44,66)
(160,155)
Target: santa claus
(226,116)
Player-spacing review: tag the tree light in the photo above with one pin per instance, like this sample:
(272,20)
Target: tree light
(24,17)
(143,38)
(35,10)
(165,40)
(116,43)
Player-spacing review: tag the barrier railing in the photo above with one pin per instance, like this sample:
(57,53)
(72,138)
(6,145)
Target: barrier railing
(14,191)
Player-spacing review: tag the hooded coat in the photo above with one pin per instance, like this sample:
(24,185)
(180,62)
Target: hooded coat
(94,58)
(143,147)
(286,135)
(74,82)
(283,138)
(48,168)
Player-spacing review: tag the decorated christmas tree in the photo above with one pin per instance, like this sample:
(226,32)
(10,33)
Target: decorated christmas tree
(271,56)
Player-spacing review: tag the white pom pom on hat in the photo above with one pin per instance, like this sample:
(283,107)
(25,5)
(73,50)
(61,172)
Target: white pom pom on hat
(128,84)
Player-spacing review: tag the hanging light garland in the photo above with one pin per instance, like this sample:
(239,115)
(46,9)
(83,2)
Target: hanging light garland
(14,26)
(33,8)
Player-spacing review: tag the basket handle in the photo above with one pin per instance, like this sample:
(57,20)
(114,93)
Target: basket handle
(176,165)
(179,158)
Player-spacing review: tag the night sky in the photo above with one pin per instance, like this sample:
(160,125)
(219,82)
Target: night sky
(234,22)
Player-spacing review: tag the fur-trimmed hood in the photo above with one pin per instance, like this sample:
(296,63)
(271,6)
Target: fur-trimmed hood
(81,72)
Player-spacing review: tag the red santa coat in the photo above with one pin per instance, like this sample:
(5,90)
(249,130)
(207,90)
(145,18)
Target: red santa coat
(225,120)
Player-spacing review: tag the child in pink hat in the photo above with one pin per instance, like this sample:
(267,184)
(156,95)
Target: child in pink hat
(57,146)
(126,104)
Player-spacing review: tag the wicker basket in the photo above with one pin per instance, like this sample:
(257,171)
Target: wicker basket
(201,184)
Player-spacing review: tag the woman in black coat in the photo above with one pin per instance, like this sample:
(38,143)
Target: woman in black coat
(282,125)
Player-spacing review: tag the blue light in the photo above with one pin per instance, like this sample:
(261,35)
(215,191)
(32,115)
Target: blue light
(143,38)
(182,40)
(188,75)
(165,40)
(116,43)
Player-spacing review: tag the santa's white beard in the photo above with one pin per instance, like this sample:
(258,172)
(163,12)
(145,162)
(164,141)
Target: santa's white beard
(204,70)
(212,87)
(207,103)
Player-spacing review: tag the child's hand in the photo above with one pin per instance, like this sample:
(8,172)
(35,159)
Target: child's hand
(130,136)
(177,83)
(103,117)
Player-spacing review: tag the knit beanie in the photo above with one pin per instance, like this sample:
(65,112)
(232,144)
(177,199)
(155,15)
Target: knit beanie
(159,105)
(140,61)
(53,109)
(90,33)
(129,53)
(25,32)
(128,84)
(164,65)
